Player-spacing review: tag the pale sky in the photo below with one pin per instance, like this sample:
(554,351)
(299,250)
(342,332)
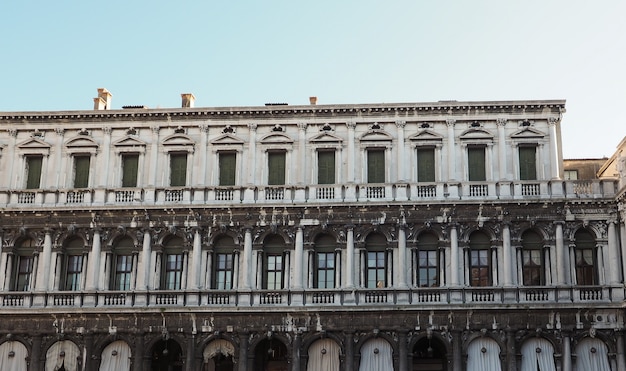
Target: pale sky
(55,54)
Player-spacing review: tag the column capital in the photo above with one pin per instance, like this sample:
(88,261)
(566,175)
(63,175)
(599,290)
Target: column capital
(204,128)
(351,124)
(450,122)
(302,126)
(252,126)
(400,124)
(501,122)
(107,130)
(553,120)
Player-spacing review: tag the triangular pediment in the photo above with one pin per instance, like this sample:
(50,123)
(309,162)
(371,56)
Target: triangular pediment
(276,138)
(227,139)
(376,135)
(178,140)
(81,141)
(33,143)
(326,138)
(477,134)
(129,142)
(426,135)
(527,133)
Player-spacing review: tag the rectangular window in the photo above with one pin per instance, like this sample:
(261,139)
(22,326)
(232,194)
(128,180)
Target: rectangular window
(428,269)
(73,273)
(376,272)
(23,272)
(33,171)
(276,168)
(325,270)
(228,163)
(585,267)
(173,271)
(532,267)
(81,171)
(326,167)
(123,272)
(528,163)
(223,271)
(425,164)
(376,166)
(273,272)
(480,274)
(130,165)
(570,174)
(476,164)
(178,169)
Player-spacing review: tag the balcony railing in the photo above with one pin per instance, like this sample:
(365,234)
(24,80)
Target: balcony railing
(339,193)
(432,296)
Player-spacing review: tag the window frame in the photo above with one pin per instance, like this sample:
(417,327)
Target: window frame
(276,158)
(527,162)
(81,180)
(477,169)
(32,181)
(125,159)
(178,173)
(429,248)
(530,269)
(479,250)
(224,171)
(431,177)
(326,169)
(375,171)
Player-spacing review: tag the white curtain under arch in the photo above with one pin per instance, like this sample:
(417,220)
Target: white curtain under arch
(592,355)
(116,357)
(538,355)
(63,354)
(13,356)
(324,356)
(221,346)
(376,355)
(483,354)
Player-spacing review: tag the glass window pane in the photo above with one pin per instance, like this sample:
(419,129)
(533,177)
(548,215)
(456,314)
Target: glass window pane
(178,169)
(228,162)
(375,166)
(476,163)
(326,167)
(425,164)
(130,165)
(33,172)
(527,163)
(276,168)
(81,171)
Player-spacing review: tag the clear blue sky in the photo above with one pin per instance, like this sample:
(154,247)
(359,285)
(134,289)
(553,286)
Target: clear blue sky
(55,54)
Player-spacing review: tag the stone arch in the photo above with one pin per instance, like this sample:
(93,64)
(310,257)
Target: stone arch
(14,354)
(371,343)
(63,353)
(219,233)
(259,240)
(465,236)
(116,356)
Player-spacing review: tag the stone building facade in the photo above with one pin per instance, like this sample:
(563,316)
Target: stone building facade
(435,236)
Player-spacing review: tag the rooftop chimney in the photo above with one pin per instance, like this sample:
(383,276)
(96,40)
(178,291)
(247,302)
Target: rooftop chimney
(188,100)
(313,100)
(103,101)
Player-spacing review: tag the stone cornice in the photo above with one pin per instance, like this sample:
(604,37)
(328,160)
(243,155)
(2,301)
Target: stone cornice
(389,109)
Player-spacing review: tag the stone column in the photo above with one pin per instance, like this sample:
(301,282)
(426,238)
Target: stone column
(350,257)
(623,244)
(614,256)
(11,164)
(9,271)
(601,259)
(286,269)
(451,150)
(299,256)
(457,350)
(555,172)
(243,352)
(566,355)
(302,157)
(246,265)
(507,256)
(502,168)
(401,155)
(143,269)
(349,361)
(621,359)
(106,157)
(510,351)
(43,268)
(88,366)
(454,256)
(252,155)
(154,156)
(59,161)
(93,273)
(351,158)
(403,360)
(204,132)
(196,261)
(35,356)
(191,349)
(560,255)
(401,264)
(295,355)
(138,351)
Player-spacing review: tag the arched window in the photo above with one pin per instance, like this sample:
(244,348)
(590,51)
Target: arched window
(116,357)
(532,259)
(224,263)
(427,260)
(23,266)
(122,269)
(538,355)
(273,263)
(480,259)
(483,354)
(376,354)
(72,265)
(324,262)
(376,250)
(592,355)
(324,355)
(173,264)
(586,272)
